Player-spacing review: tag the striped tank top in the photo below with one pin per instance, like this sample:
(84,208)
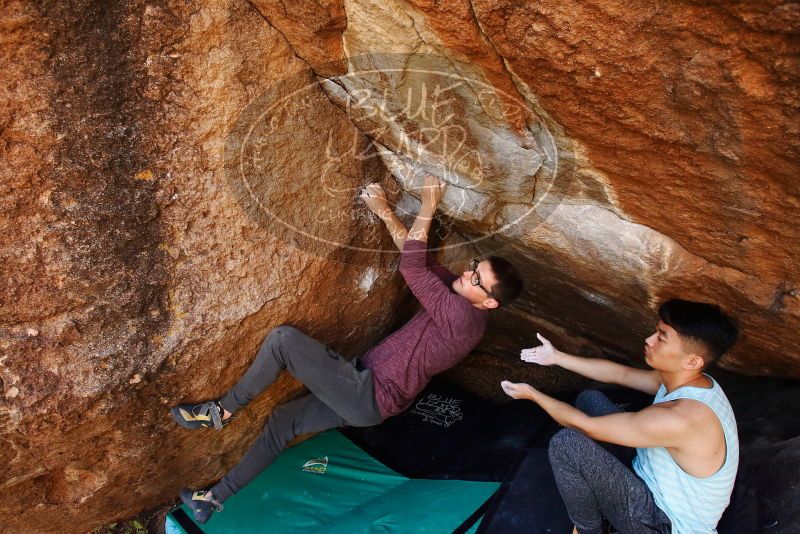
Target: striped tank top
(693,505)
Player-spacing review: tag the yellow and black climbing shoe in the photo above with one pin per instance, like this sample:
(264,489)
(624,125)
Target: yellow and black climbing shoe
(203,415)
(201,508)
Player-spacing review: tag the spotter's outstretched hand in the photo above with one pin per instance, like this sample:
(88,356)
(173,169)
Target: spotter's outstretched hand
(517,391)
(544,354)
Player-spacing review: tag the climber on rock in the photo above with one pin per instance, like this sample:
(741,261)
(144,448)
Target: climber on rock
(686,445)
(381,383)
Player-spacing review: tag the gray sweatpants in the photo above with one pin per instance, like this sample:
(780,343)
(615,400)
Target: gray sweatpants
(596,481)
(341,395)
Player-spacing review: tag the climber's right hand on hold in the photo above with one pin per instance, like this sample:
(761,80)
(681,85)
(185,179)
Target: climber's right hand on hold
(375,199)
(432,191)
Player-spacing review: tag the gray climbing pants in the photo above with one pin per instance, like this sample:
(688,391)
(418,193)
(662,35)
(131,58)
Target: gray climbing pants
(341,394)
(596,481)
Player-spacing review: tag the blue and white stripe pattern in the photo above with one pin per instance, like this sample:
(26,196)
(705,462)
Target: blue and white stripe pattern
(694,505)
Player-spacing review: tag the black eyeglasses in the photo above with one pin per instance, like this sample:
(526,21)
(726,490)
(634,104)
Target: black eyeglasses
(475,279)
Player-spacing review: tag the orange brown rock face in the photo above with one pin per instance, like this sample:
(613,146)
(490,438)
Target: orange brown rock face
(664,119)
(313,28)
(133,279)
(690,111)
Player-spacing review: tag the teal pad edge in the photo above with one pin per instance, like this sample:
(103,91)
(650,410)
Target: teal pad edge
(328,484)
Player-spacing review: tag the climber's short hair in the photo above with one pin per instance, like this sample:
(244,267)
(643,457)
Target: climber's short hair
(509,282)
(704,326)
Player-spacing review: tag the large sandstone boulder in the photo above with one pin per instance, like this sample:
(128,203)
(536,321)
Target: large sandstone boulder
(622,156)
(178,178)
(133,275)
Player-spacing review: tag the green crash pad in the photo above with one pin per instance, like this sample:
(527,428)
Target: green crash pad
(328,484)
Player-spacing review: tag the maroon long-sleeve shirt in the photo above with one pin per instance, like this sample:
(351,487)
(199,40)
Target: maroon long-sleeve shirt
(439,335)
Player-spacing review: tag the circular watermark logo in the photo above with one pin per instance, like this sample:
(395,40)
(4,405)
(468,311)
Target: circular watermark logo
(301,153)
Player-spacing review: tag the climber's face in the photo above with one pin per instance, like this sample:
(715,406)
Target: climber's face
(476,284)
(665,350)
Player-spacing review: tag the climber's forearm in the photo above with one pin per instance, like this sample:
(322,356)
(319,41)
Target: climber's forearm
(396,228)
(422,224)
